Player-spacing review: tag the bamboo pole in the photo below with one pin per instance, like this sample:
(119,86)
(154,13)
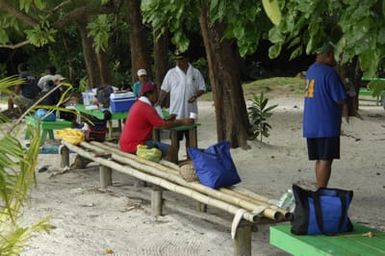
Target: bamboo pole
(133,157)
(163,183)
(270,208)
(271,214)
(162,162)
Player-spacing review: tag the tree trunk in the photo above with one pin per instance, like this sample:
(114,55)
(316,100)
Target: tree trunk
(352,76)
(230,108)
(160,57)
(140,56)
(104,70)
(90,57)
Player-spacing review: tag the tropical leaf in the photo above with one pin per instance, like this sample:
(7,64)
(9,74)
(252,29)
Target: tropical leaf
(17,176)
(272,11)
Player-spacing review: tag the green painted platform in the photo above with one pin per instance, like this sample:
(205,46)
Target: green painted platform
(349,244)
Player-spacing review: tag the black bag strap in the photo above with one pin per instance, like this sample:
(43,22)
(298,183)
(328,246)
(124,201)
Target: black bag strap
(318,211)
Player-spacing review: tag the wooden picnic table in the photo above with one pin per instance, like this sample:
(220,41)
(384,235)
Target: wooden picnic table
(192,131)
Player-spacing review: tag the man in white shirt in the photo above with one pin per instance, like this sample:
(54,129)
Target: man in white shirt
(185,84)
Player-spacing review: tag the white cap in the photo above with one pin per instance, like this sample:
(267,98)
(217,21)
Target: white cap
(142,72)
(58,77)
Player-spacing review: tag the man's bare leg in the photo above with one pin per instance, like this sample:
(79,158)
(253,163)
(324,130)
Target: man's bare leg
(323,169)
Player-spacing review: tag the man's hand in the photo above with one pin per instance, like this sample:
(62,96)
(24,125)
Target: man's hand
(172,117)
(192,99)
(188,121)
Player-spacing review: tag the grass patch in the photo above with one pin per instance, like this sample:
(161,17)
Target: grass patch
(284,85)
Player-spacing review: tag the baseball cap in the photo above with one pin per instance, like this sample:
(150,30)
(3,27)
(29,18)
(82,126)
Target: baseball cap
(180,55)
(142,72)
(325,48)
(58,77)
(147,87)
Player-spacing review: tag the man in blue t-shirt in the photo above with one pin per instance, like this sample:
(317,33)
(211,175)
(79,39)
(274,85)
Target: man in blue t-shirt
(324,103)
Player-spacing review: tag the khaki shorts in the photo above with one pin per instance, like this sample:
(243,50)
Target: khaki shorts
(23,102)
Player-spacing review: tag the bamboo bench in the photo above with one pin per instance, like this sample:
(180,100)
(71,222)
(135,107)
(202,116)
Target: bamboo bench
(359,242)
(249,208)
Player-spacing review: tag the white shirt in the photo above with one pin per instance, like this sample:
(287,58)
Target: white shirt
(181,87)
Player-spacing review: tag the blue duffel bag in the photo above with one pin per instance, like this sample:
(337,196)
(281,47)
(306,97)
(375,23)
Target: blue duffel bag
(214,166)
(324,211)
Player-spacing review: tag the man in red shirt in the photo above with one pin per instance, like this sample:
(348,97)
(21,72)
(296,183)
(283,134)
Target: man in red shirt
(141,121)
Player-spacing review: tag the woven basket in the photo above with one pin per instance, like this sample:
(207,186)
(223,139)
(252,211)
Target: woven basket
(187,172)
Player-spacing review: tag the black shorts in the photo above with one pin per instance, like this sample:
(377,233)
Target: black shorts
(323,148)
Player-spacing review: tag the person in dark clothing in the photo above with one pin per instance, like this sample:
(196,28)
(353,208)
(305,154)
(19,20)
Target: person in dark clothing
(54,97)
(27,92)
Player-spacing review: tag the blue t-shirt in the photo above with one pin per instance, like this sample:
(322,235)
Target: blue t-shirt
(136,88)
(322,113)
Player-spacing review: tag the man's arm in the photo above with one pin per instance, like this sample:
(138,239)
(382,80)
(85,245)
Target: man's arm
(345,111)
(196,96)
(177,122)
(161,98)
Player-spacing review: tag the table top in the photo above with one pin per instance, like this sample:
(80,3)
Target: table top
(184,127)
(49,125)
(98,113)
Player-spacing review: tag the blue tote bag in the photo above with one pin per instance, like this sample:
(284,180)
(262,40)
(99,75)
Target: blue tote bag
(214,166)
(324,211)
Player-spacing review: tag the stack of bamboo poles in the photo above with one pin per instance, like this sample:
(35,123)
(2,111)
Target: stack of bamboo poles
(166,174)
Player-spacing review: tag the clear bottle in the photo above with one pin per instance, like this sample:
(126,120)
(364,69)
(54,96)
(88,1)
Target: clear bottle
(286,200)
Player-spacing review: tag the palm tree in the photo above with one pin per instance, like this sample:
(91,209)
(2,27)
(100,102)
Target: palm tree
(17,176)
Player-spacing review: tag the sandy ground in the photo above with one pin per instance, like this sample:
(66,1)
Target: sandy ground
(91,221)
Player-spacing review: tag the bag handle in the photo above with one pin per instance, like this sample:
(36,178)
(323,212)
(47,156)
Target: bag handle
(318,211)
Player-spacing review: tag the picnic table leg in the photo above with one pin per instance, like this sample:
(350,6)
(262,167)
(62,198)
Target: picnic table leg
(43,137)
(174,148)
(156,200)
(242,240)
(105,176)
(193,138)
(65,156)
(109,129)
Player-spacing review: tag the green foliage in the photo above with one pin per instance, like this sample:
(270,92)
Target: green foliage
(26,5)
(272,11)
(17,176)
(357,28)
(243,20)
(41,35)
(259,114)
(377,87)
(177,17)
(100,30)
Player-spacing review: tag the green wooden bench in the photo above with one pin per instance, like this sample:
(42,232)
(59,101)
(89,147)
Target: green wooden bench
(349,244)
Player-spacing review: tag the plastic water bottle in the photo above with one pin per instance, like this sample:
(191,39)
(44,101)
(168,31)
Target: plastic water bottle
(286,200)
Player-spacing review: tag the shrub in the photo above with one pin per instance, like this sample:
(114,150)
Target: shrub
(259,114)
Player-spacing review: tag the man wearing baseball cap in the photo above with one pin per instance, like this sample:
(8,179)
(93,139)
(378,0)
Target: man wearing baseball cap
(185,84)
(143,77)
(324,104)
(141,121)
